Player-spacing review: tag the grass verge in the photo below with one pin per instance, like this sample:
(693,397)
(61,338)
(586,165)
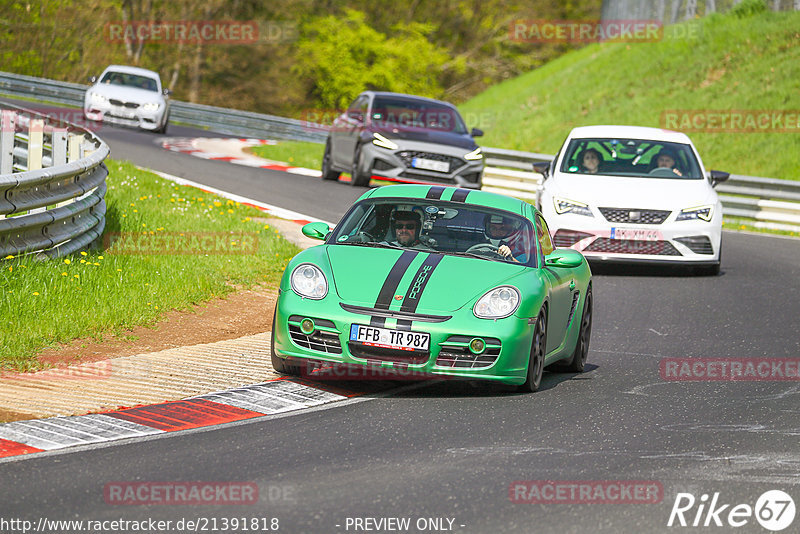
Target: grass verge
(207,247)
(296,153)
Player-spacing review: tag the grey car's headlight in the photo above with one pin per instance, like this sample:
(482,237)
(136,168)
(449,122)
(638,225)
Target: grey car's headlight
(308,281)
(383,142)
(563,205)
(475,154)
(98,98)
(151,106)
(498,303)
(700,212)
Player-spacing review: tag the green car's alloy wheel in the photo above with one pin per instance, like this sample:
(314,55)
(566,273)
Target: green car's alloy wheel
(536,363)
(358,177)
(279,364)
(327,172)
(582,346)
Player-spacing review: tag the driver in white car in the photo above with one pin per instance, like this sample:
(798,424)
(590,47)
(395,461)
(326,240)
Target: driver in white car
(666,160)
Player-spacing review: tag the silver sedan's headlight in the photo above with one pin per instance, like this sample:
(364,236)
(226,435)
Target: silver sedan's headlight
(309,282)
(474,155)
(563,205)
(98,98)
(498,303)
(151,106)
(700,212)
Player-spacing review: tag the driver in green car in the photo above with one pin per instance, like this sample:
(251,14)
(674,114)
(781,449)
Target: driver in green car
(406,226)
(504,233)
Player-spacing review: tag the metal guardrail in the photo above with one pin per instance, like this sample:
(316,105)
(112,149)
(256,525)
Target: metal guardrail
(766,202)
(52,185)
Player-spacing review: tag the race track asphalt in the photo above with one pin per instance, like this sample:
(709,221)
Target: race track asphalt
(452,450)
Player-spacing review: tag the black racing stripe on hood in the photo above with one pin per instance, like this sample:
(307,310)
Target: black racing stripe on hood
(435,192)
(417,287)
(391,283)
(460,195)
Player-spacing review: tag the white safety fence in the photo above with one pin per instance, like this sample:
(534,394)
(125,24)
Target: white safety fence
(52,185)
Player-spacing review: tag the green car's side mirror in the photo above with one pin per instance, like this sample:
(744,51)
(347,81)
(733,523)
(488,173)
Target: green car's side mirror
(316,230)
(564,258)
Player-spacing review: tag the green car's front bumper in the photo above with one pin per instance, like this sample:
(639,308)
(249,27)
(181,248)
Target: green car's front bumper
(505,359)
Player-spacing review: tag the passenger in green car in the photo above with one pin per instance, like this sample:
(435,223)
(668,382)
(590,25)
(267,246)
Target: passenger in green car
(504,233)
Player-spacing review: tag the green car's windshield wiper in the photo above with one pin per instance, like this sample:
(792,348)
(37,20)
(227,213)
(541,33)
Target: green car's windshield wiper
(375,244)
(470,255)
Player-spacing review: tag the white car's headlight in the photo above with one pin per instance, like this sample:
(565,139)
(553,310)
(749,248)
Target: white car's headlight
(498,303)
(475,154)
(308,281)
(98,98)
(700,212)
(151,106)
(564,205)
(383,142)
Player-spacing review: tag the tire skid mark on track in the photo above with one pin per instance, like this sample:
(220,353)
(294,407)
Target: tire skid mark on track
(249,402)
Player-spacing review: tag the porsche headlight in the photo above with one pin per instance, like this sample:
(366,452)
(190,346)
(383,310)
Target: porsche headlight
(475,154)
(700,212)
(563,205)
(98,98)
(498,303)
(151,106)
(309,282)
(383,142)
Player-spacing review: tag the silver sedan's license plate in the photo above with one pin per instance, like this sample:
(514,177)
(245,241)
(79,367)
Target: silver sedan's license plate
(390,339)
(430,164)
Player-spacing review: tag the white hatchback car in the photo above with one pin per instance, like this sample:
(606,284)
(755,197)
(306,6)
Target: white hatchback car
(633,194)
(130,96)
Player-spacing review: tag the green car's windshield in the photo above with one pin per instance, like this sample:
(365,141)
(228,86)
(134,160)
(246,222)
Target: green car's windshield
(631,157)
(446,227)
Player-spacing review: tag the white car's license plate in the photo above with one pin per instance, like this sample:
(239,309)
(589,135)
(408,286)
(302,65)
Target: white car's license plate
(390,339)
(430,164)
(634,234)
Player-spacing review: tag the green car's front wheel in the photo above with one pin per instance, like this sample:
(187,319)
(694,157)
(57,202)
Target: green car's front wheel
(536,362)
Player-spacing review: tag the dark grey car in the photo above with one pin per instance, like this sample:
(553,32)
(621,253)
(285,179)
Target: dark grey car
(403,138)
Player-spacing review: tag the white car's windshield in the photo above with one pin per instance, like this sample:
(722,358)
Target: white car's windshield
(130,80)
(438,226)
(631,157)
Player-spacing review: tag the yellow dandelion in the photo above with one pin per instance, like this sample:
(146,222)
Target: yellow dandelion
(246,219)
(83,253)
(99,257)
(64,273)
(135,211)
(132,204)
(10,257)
(35,292)
(230,211)
(124,215)
(156,307)
(95,263)
(143,225)
(67,262)
(266,227)
(10,269)
(76,276)
(230,203)
(172,200)
(119,270)
(83,261)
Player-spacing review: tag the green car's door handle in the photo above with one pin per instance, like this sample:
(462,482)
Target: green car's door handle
(571,285)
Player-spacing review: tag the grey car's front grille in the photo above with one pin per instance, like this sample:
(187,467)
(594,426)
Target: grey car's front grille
(408,156)
(634,215)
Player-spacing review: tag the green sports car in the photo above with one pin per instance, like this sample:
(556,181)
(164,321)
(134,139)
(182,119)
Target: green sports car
(436,282)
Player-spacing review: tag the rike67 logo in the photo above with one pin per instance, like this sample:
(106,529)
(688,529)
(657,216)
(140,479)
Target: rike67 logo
(774,510)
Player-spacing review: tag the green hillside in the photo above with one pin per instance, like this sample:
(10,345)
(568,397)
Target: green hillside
(741,60)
